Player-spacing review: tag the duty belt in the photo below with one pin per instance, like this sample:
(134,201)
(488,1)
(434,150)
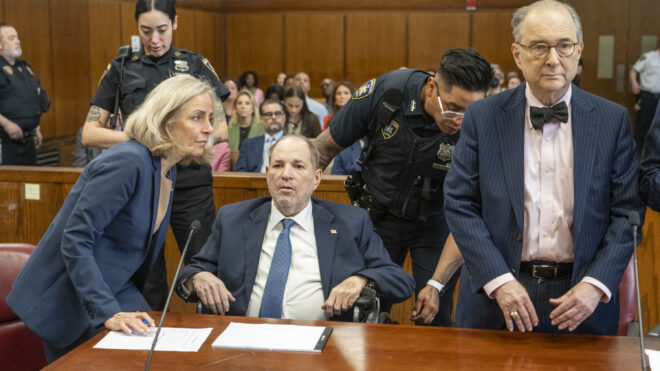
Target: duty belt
(654,95)
(547,270)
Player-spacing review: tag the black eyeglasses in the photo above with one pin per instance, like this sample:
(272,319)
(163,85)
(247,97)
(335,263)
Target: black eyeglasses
(541,50)
(271,114)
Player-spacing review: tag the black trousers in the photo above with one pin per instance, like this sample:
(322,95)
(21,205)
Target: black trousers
(188,204)
(18,152)
(649,103)
(424,240)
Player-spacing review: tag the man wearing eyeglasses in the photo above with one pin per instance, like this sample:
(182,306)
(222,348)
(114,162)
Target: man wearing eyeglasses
(539,191)
(253,152)
(411,121)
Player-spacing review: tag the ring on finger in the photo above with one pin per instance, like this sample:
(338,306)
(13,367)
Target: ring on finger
(514,314)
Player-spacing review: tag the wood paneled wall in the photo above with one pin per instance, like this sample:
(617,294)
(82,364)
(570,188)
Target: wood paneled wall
(71,41)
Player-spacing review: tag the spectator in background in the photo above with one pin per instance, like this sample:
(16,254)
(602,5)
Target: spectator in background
(289,82)
(244,122)
(253,156)
(513,80)
(249,81)
(228,104)
(327,85)
(340,95)
(280,79)
(275,92)
(299,119)
(645,84)
(302,81)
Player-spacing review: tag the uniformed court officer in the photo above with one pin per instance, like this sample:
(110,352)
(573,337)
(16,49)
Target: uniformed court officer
(645,81)
(22,102)
(156,61)
(412,121)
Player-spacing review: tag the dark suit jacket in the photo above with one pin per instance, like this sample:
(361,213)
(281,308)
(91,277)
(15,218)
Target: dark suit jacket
(233,250)
(484,199)
(94,258)
(649,184)
(251,155)
(346,161)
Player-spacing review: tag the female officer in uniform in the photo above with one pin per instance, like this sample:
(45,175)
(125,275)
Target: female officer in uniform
(157,61)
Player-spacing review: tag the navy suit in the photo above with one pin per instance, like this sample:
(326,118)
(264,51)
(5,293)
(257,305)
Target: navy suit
(649,184)
(94,258)
(346,161)
(233,250)
(484,200)
(251,155)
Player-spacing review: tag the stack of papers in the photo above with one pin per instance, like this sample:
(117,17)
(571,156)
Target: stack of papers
(170,339)
(274,337)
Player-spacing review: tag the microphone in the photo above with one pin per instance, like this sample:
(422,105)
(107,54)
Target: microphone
(633,220)
(194,227)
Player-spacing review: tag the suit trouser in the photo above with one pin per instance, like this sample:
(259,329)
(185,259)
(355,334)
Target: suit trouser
(424,240)
(188,204)
(649,103)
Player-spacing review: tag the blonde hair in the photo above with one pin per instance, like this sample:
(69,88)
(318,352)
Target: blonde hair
(234,120)
(152,122)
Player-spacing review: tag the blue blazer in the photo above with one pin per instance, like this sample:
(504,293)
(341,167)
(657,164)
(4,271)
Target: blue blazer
(649,183)
(233,250)
(346,161)
(251,155)
(94,258)
(484,199)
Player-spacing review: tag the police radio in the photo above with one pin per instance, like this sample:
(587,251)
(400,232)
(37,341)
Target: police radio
(123,53)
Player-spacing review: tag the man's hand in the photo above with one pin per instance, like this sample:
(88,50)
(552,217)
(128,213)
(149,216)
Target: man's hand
(38,138)
(130,322)
(13,131)
(575,306)
(426,305)
(212,292)
(516,306)
(343,296)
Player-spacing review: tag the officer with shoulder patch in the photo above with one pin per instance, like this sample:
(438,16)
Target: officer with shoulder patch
(155,62)
(645,83)
(22,102)
(411,120)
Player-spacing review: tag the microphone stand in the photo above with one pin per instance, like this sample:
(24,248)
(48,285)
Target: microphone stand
(194,227)
(633,218)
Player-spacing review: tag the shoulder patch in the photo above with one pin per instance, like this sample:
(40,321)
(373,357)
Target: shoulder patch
(390,129)
(208,65)
(8,70)
(107,68)
(365,90)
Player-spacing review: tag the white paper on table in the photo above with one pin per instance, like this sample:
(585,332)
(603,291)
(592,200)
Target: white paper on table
(273,337)
(172,339)
(654,359)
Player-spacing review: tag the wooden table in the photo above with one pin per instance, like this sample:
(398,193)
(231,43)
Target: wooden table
(378,347)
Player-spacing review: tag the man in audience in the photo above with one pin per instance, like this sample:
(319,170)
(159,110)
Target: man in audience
(22,102)
(539,191)
(302,80)
(649,184)
(253,152)
(411,121)
(645,83)
(291,255)
(327,85)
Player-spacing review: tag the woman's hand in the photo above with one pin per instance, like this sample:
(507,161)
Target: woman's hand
(130,322)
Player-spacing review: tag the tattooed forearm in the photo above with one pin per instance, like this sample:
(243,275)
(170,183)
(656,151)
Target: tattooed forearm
(94,114)
(450,270)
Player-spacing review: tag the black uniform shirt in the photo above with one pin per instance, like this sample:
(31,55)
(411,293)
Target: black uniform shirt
(21,97)
(142,73)
(356,118)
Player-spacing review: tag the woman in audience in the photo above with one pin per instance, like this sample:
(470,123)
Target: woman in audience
(86,273)
(275,92)
(244,122)
(299,119)
(279,80)
(228,104)
(250,81)
(341,94)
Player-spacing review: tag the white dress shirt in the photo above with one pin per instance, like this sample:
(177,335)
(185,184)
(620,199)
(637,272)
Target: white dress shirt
(549,193)
(303,295)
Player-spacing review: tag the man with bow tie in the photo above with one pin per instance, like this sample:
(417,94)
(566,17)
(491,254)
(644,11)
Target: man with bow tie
(541,184)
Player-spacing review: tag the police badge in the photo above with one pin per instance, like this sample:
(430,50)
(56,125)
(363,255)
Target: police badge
(181,66)
(444,155)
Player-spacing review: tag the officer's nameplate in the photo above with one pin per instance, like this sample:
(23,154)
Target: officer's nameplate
(181,66)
